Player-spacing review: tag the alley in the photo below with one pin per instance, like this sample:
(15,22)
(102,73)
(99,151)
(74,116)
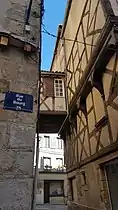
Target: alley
(51,207)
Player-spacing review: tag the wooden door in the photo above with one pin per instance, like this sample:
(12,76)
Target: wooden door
(112,177)
(46,192)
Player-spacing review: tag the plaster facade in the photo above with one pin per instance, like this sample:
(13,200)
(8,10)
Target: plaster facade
(51,170)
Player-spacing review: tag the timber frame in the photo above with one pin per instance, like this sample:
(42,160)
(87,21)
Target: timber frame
(92,77)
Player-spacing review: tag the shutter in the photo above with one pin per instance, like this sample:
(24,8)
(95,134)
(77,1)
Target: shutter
(48,87)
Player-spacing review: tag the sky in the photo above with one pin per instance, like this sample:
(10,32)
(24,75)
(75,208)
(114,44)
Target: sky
(53,16)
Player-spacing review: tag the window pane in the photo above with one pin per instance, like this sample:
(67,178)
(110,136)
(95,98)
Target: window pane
(59,162)
(47,161)
(47,141)
(59,88)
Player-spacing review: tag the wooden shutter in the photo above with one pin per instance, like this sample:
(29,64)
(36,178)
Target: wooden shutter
(48,86)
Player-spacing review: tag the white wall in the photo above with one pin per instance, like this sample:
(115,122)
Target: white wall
(53,152)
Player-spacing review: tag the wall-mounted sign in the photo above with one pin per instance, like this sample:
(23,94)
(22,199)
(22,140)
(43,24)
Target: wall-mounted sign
(18,102)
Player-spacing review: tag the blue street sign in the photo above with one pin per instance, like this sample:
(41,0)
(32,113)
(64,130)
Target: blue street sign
(18,102)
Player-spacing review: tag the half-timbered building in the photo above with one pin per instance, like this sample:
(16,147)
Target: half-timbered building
(53,106)
(87,52)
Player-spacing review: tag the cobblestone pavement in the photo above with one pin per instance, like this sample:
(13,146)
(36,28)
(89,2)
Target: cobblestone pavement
(51,207)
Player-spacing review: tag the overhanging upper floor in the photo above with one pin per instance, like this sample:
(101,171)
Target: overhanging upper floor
(53,108)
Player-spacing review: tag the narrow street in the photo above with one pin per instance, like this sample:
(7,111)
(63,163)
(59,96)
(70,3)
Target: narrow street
(59,105)
(51,207)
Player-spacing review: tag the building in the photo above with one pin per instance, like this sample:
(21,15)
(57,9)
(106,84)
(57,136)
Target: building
(53,106)
(86,51)
(19,74)
(50,187)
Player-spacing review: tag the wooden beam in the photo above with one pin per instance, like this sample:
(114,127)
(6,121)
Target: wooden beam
(95,58)
(107,150)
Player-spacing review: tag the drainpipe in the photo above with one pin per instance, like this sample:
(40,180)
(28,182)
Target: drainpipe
(38,111)
(28,12)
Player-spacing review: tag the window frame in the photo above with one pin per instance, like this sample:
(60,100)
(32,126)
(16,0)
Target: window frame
(61,160)
(48,142)
(49,158)
(60,143)
(55,93)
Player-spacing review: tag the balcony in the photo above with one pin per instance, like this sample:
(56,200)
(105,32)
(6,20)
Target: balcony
(49,169)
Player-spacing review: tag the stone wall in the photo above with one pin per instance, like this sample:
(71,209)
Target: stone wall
(18,73)
(92,193)
(17,132)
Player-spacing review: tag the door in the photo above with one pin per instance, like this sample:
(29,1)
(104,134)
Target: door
(46,192)
(112,177)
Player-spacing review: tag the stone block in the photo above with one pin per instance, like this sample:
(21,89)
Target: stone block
(24,164)
(21,135)
(23,117)
(16,194)
(4,137)
(18,69)
(16,163)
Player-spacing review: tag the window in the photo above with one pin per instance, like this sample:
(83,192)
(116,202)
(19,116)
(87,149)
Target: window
(59,88)
(59,162)
(53,143)
(47,141)
(60,143)
(47,162)
(56,188)
(83,175)
(41,141)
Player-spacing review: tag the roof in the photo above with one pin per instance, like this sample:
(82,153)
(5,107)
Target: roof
(56,45)
(66,16)
(52,73)
(61,30)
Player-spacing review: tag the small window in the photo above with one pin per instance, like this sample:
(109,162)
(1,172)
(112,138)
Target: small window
(47,162)
(59,143)
(47,141)
(59,162)
(83,175)
(53,143)
(59,88)
(41,141)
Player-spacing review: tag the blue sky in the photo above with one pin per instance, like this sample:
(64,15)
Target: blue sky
(53,16)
